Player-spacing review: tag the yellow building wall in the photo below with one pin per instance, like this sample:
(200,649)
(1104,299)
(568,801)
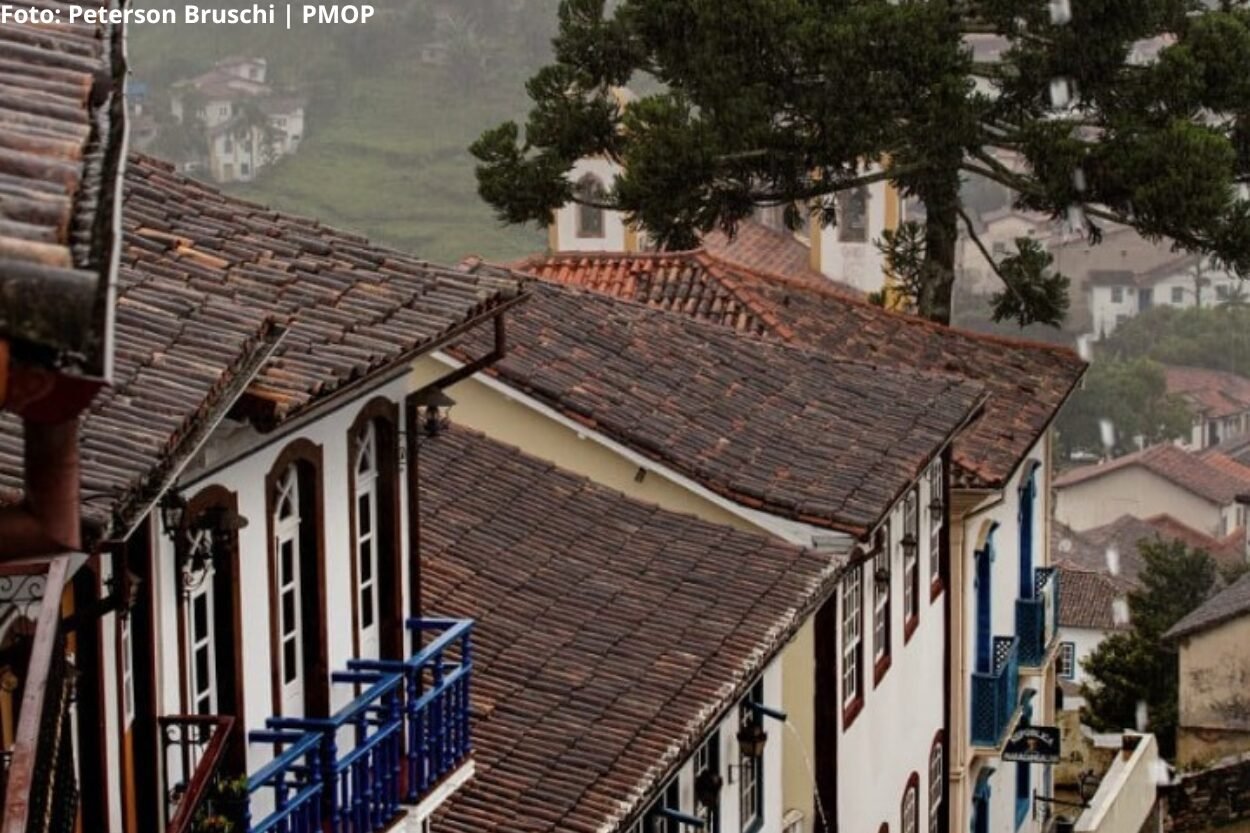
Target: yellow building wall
(1214,697)
(798,697)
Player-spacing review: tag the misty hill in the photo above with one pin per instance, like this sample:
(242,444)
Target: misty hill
(392,108)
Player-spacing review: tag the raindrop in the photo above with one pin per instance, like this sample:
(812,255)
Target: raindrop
(1078,179)
(1119,611)
(1076,217)
(1060,12)
(1113,561)
(1162,772)
(1243,192)
(1084,349)
(1060,93)
(1106,432)
(1143,715)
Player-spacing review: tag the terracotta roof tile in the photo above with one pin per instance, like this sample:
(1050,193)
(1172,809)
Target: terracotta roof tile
(1230,603)
(604,645)
(1088,550)
(1211,393)
(756,246)
(1216,483)
(1087,599)
(61,140)
(1026,382)
(774,427)
(203,280)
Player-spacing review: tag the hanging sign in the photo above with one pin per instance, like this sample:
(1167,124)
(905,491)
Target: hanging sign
(1033,745)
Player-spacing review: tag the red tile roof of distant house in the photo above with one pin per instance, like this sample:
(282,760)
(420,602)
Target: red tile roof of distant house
(1090,550)
(758,247)
(1233,602)
(1027,382)
(1087,599)
(1183,468)
(1210,393)
(610,635)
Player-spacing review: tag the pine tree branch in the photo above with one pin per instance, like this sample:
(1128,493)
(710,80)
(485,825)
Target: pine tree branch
(972,234)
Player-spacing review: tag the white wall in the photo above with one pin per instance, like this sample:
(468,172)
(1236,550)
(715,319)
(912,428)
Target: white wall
(565,233)
(246,478)
(1084,641)
(1133,490)
(859,264)
(1174,290)
(892,735)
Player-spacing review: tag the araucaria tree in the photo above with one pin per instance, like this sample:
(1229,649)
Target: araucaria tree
(790,102)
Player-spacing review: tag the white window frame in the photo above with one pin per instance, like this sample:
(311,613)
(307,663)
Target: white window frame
(128,671)
(911,555)
(286,524)
(1067,661)
(365,548)
(936,518)
(910,813)
(936,774)
(201,691)
(881,597)
(852,635)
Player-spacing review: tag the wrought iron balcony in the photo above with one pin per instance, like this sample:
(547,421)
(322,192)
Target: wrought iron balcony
(994,694)
(400,737)
(1037,618)
(194,746)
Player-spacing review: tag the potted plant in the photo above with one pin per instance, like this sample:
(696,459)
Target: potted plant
(230,798)
(212,823)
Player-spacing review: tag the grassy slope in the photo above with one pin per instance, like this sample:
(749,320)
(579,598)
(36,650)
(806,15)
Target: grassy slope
(385,151)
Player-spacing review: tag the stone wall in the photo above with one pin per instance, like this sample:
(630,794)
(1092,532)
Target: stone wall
(1208,799)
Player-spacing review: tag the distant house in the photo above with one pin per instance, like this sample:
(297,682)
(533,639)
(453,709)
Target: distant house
(1220,402)
(1182,281)
(1162,479)
(248,124)
(1214,683)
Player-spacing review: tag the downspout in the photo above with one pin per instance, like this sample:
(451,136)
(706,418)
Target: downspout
(412,428)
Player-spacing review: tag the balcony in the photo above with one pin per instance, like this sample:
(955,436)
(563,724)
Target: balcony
(1037,618)
(404,734)
(40,791)
(994,694)
(194,746)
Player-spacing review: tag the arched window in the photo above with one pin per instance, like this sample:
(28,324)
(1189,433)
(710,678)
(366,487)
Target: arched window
(366,547)
(936,787)
(910,809)
(853,215)
(589,217)
(377,560)
(286,524)
(1027,513)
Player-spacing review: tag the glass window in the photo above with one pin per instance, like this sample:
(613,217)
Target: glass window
(751,794)
(1178,295)
(936,514)
(881,595)
(589,217)
(910,543)
(707,775)
(1117,294)
(852,638)
(366,539)
(909,808)
(935,786)
(853,215)
(1067,660)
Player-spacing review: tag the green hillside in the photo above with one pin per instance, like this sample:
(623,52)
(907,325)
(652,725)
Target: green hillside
(384,151)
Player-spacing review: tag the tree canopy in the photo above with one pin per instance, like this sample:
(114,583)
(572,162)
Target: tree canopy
(789,102)
(1133,397)
(1213,337)
(1136,666)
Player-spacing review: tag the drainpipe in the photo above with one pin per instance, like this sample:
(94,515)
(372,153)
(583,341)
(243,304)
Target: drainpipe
(46,522)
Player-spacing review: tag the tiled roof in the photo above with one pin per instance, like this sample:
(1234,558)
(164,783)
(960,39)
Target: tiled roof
(1087,599)
(1230,603)
(769,426)
(1088,550)
(1212,393)
(1236,448)
(609,636)
(204,278)
(61,141)
(756,246)
(1183,468)
(1026,382)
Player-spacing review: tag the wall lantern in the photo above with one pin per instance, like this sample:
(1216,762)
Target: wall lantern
(751,740)
(433,413)
(935,506)
(707,786)
(200,540)
(173,509)
(909,545)
(881,576)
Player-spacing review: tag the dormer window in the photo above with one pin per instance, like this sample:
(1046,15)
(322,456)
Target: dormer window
(853,215)
(590,193)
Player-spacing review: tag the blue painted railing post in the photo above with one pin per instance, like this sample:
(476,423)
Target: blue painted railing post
(329,756)
(416,775)
(395,717)
(438,721)
(466,660)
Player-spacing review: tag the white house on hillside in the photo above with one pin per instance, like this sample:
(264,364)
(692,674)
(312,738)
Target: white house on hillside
(1116,295)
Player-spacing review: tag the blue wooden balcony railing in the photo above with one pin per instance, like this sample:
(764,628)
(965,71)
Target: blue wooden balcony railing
(394,742)
(994,694)
(1037,618)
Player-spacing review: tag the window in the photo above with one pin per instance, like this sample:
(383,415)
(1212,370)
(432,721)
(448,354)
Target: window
(589,217)
(751,795)
(852,638)
(286,524)
(881,599)
(201,642)
(1117,294)
(128,672)
(227,144)
(935,786)
(909,811)
(937,491)
(245,169)
(1221,291)
(910,543)
(853,215)
(706,776)
(999,249)
(1178,295)
(366,540)
(1067,661)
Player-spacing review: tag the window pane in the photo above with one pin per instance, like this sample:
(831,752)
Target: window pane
(364,515)
(366,608)
(366,562)
(201,670)
(199,629)
(288,661)
(287,567)
(288,612)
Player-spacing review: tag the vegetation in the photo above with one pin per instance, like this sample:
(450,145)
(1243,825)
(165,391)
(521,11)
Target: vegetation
(1213,337)
(1136,669)
(1132,396)
(780,102)
(391,111)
